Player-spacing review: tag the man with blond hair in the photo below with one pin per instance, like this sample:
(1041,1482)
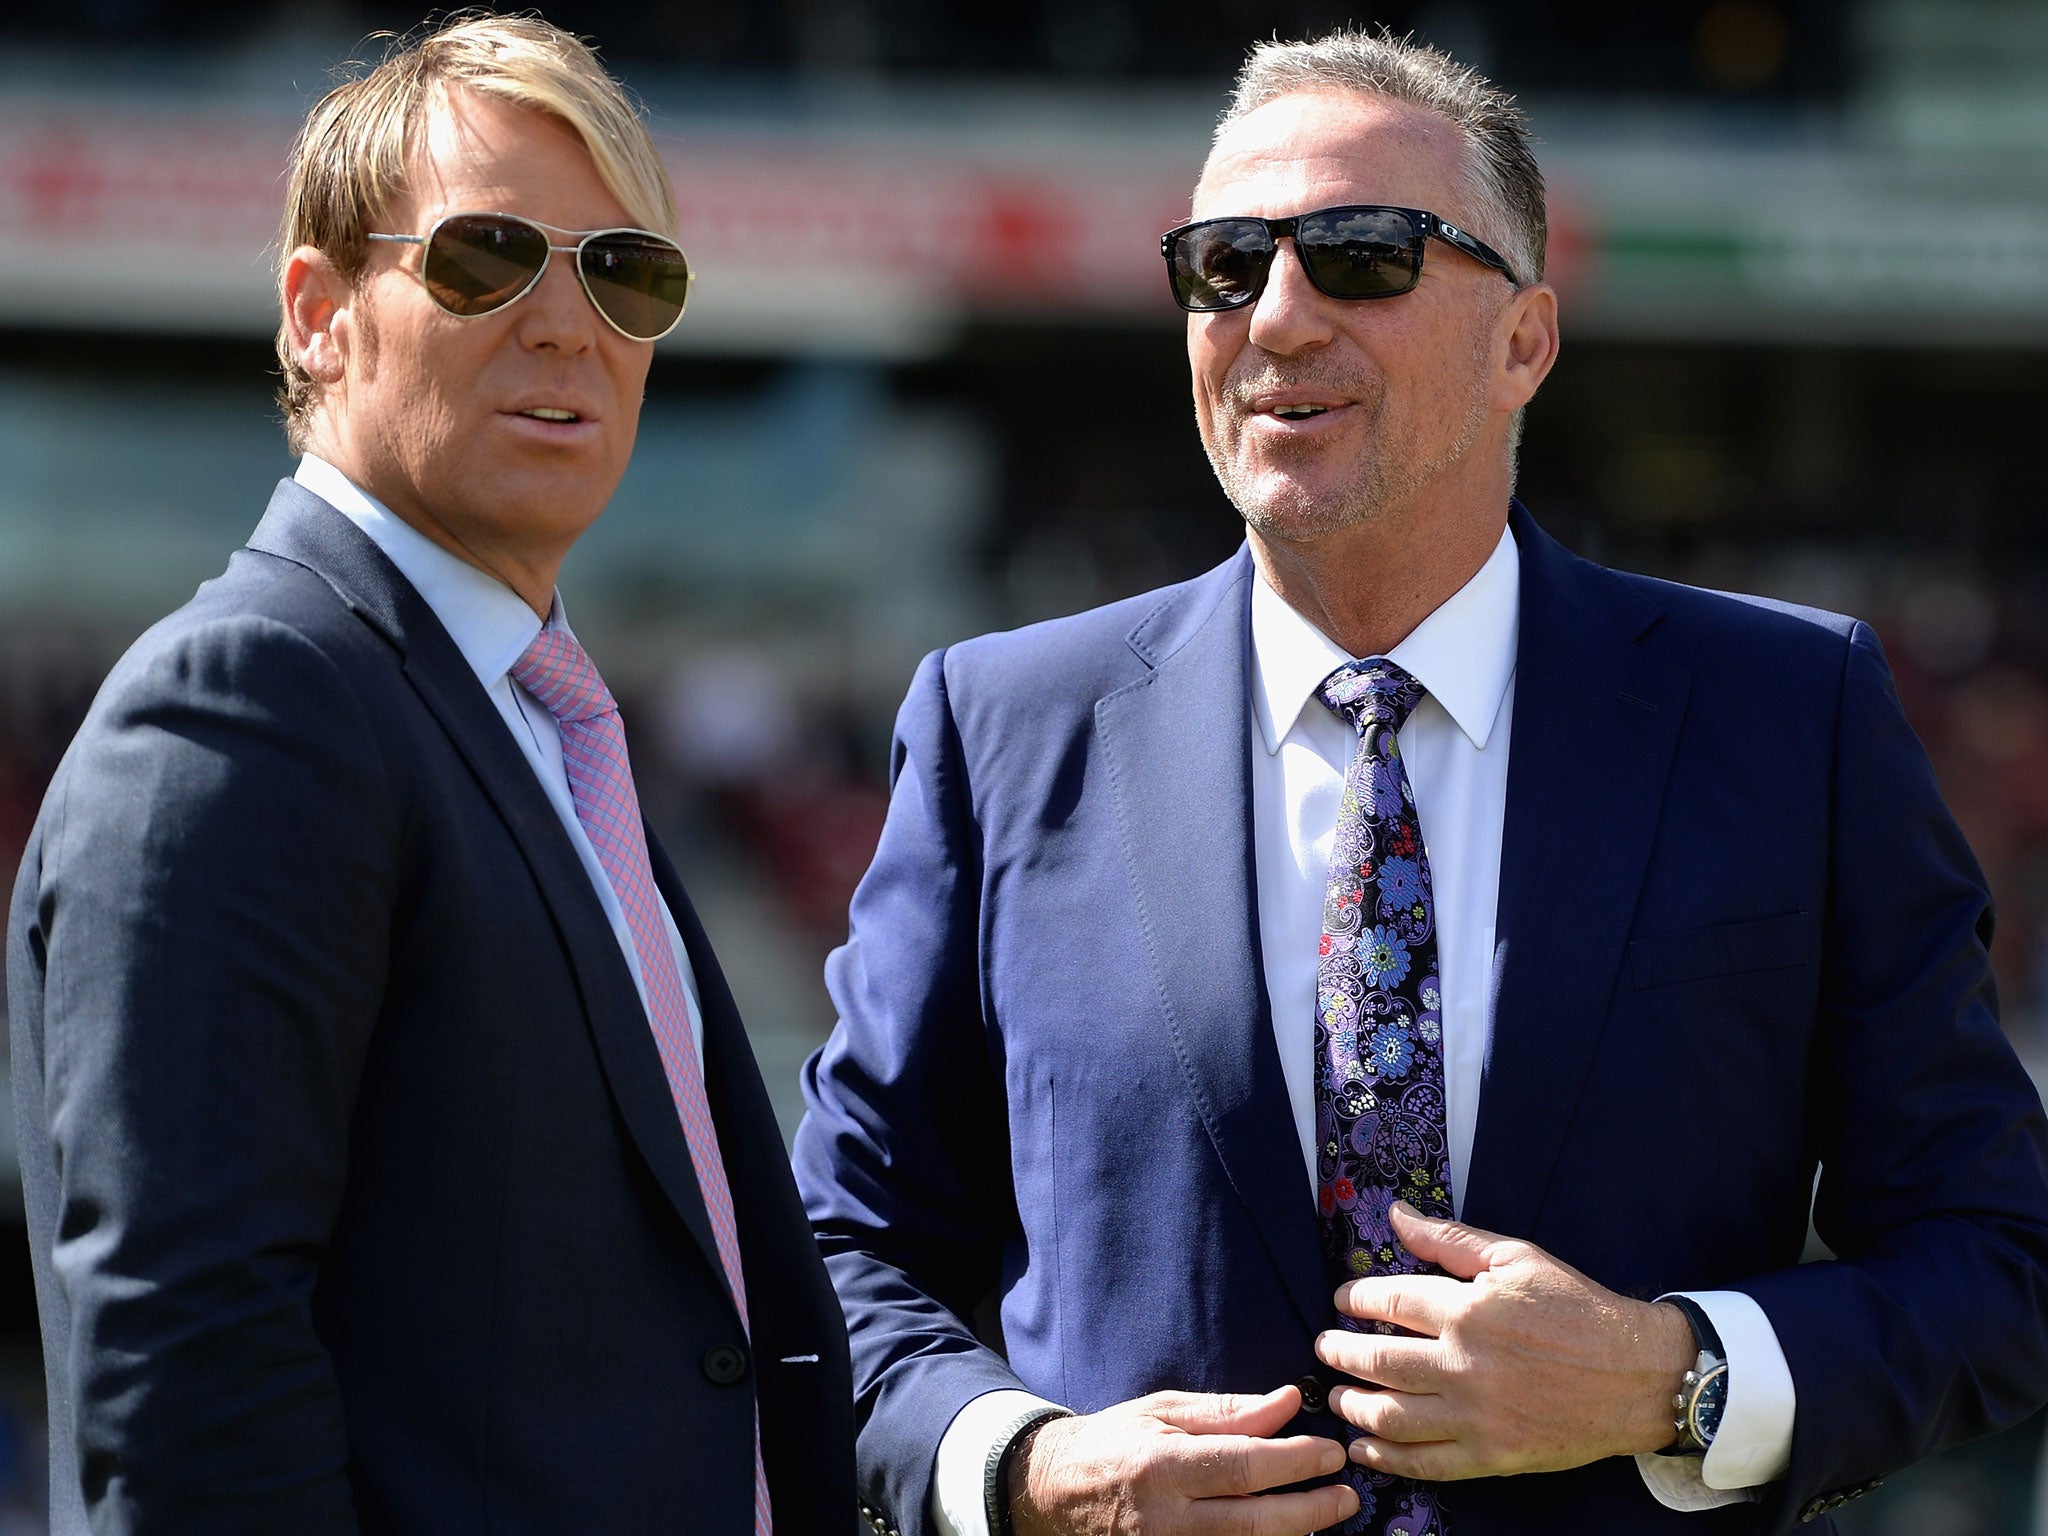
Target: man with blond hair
(1373,1015)
(395,1158)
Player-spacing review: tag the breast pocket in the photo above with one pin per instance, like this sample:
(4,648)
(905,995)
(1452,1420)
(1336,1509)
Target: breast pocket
(1728,949)
(1726,1015)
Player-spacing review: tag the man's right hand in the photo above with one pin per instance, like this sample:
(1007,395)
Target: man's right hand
(1186,1463)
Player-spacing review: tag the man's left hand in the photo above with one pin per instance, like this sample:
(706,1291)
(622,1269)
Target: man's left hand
(1513,1361)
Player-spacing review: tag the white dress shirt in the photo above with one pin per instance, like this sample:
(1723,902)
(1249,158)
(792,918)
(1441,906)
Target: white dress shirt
(492,626)
(1455,747)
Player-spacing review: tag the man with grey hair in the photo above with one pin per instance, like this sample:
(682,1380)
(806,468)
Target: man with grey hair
(395,1160)
(1395,992)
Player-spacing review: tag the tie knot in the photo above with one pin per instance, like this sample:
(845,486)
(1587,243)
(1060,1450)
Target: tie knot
(1372,692)
(558,672)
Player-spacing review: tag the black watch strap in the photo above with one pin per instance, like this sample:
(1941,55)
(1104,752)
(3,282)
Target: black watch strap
(1703,1334)
(1706,1339)
(995,1485)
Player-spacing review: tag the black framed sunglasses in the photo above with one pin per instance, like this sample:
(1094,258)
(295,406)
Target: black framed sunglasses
(475,264)
(1365,251)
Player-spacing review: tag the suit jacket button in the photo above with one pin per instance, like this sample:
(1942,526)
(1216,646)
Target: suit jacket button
(724,1364)
(1315,1397)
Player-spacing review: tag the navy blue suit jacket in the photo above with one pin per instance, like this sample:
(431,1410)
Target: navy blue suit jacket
(356,1195)
(1740,940)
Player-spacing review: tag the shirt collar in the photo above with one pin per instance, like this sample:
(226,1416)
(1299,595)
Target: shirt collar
(1463,653)
(490,623)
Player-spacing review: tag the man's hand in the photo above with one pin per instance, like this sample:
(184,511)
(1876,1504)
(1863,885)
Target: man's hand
(1184,1463)
(1519,1363)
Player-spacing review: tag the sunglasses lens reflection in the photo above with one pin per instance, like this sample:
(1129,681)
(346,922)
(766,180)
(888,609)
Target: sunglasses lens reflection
(638,281)
(1349,253)
(475,264)
(1362,253)
(1221,264)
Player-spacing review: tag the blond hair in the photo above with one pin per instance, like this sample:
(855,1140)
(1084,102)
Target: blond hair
(351,162)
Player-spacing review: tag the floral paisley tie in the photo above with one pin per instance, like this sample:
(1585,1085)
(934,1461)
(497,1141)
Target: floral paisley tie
(1379,1039)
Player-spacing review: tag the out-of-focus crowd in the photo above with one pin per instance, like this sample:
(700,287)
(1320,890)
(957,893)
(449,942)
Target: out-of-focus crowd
(1972,665)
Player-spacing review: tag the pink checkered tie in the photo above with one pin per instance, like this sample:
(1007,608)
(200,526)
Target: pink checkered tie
(557,672)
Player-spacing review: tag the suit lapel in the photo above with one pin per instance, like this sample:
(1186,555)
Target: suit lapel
(1177,747)
(612,1006)
(1596,720)
(303,529)
(766,1207)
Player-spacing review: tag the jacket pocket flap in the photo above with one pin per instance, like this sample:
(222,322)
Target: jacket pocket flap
(1768,944)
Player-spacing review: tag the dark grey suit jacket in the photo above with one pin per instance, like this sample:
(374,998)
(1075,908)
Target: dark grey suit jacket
(356,1195)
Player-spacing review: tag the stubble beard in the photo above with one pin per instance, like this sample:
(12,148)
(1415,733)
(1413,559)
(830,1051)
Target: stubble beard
(1389,476)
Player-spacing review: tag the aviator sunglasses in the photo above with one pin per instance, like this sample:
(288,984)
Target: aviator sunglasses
(1361,252)
(477,263)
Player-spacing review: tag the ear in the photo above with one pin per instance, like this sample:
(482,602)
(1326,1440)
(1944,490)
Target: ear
(317,318)
(1529,324)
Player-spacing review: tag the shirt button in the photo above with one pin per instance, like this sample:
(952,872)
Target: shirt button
(1315,1397)
(724,1364)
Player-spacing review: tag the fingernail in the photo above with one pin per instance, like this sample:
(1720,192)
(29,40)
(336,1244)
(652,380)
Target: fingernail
(1333,1458)
(1403,1205)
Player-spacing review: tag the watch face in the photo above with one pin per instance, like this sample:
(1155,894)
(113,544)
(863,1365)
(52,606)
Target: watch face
(1708,1399)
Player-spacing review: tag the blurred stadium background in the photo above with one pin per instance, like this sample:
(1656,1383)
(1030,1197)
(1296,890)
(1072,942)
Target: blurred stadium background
(931,383)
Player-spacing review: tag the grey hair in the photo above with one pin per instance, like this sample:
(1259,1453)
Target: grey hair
(1503,178)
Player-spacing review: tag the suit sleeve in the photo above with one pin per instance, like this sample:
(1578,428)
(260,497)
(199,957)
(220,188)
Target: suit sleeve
(1931,1324)
(903,1156)
(216,900)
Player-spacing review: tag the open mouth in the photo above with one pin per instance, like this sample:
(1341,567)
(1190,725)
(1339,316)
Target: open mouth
(1298,412)
(549,413)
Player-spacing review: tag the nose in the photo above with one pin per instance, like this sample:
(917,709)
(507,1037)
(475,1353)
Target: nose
(558,314)
(1290,313)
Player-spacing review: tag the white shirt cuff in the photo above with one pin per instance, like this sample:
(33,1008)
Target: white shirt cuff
(1753,1446)
(960,1475)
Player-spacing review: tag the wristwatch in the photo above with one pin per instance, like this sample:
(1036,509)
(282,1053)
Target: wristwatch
(1703,1394)
(995,1483)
